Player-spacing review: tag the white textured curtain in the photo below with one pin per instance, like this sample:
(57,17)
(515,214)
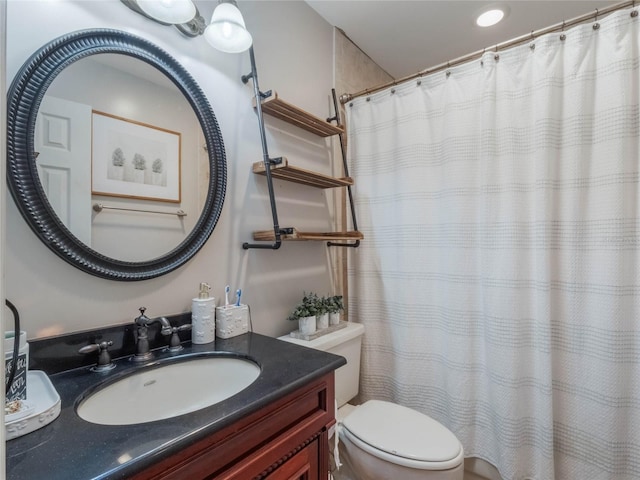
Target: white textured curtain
(498,281)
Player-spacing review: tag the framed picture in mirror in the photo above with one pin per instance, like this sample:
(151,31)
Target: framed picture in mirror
(134,160)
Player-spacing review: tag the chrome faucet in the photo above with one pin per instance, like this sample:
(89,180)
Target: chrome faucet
(142,339)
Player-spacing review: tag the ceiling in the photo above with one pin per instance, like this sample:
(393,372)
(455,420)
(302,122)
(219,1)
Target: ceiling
(405,37)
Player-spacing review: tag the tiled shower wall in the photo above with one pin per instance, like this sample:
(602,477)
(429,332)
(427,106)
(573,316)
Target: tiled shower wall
(354,71)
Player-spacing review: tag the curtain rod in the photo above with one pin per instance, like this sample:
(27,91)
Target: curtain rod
(344,98)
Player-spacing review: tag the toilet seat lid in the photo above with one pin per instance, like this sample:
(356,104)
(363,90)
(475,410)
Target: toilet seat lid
(402,432)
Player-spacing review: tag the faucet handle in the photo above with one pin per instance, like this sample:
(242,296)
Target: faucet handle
(142,320)
(104,359)
(174,343)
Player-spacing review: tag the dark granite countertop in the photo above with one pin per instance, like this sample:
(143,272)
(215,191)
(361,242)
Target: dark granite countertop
(73,449)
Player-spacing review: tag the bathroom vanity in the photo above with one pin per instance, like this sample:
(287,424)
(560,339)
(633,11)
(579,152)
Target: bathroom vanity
(284,440)
(276,428)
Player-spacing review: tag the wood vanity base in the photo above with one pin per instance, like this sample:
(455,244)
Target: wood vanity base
(285,440)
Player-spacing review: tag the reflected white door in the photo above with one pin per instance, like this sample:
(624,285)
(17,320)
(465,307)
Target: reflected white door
(63,140)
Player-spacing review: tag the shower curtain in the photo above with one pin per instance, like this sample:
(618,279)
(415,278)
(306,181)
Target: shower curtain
(498,281)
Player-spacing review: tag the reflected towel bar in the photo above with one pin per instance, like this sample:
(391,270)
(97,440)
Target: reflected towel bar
(98,207)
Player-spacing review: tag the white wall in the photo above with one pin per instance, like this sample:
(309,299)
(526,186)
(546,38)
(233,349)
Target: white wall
(3,312)
(293,47)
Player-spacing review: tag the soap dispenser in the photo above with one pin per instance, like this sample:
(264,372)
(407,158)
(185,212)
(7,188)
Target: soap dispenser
(203,322)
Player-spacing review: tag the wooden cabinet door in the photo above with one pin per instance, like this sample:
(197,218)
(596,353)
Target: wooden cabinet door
(304,465)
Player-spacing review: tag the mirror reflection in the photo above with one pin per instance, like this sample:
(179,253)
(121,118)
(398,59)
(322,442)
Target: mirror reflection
(115,132)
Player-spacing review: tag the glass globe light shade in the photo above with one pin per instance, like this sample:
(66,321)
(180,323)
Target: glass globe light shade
(227,31)
(169,11)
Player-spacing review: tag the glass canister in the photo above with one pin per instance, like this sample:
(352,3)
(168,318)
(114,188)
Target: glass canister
(18,390)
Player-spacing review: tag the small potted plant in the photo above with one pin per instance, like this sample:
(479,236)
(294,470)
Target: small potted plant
(322,312)
(335,307)
(156,169)
(305,314)
(117,160)
(139,166)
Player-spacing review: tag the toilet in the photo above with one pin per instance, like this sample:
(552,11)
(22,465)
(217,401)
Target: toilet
(379,440)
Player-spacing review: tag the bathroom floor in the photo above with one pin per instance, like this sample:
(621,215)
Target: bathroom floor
(467,476)
(472,476)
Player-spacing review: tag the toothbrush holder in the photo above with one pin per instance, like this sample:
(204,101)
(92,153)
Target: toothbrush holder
(232,320)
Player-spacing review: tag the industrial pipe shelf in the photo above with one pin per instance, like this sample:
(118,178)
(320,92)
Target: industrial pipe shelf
(269,103)
(287,172)
(278,108)
(269,236)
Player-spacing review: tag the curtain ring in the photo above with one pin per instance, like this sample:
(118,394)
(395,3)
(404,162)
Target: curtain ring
(563,37)
(532,45)
(596,25)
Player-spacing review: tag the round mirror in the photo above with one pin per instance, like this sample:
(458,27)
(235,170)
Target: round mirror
(115,158)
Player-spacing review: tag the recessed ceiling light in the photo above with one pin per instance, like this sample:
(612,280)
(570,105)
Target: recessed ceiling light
(490,17)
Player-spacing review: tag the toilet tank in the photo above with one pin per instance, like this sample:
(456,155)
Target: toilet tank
(345,342)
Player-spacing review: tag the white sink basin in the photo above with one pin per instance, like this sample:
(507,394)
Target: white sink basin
(169,390)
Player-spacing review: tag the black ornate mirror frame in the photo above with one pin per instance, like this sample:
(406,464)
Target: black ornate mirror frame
(24,98)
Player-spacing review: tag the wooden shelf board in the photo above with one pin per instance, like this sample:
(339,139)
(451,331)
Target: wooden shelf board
(284,171)
(269,236)
(276,107)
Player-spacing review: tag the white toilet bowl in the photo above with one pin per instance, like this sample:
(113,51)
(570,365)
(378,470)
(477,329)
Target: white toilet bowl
(383,441)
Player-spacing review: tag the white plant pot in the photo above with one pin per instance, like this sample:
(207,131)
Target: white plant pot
(307,325)
(156,178)
(322,321)
(334,318)
(116,172)
(138,176)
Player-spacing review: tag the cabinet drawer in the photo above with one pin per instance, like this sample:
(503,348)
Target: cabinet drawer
(301,466)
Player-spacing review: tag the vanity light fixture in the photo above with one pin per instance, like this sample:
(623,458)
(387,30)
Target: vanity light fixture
(227,31)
